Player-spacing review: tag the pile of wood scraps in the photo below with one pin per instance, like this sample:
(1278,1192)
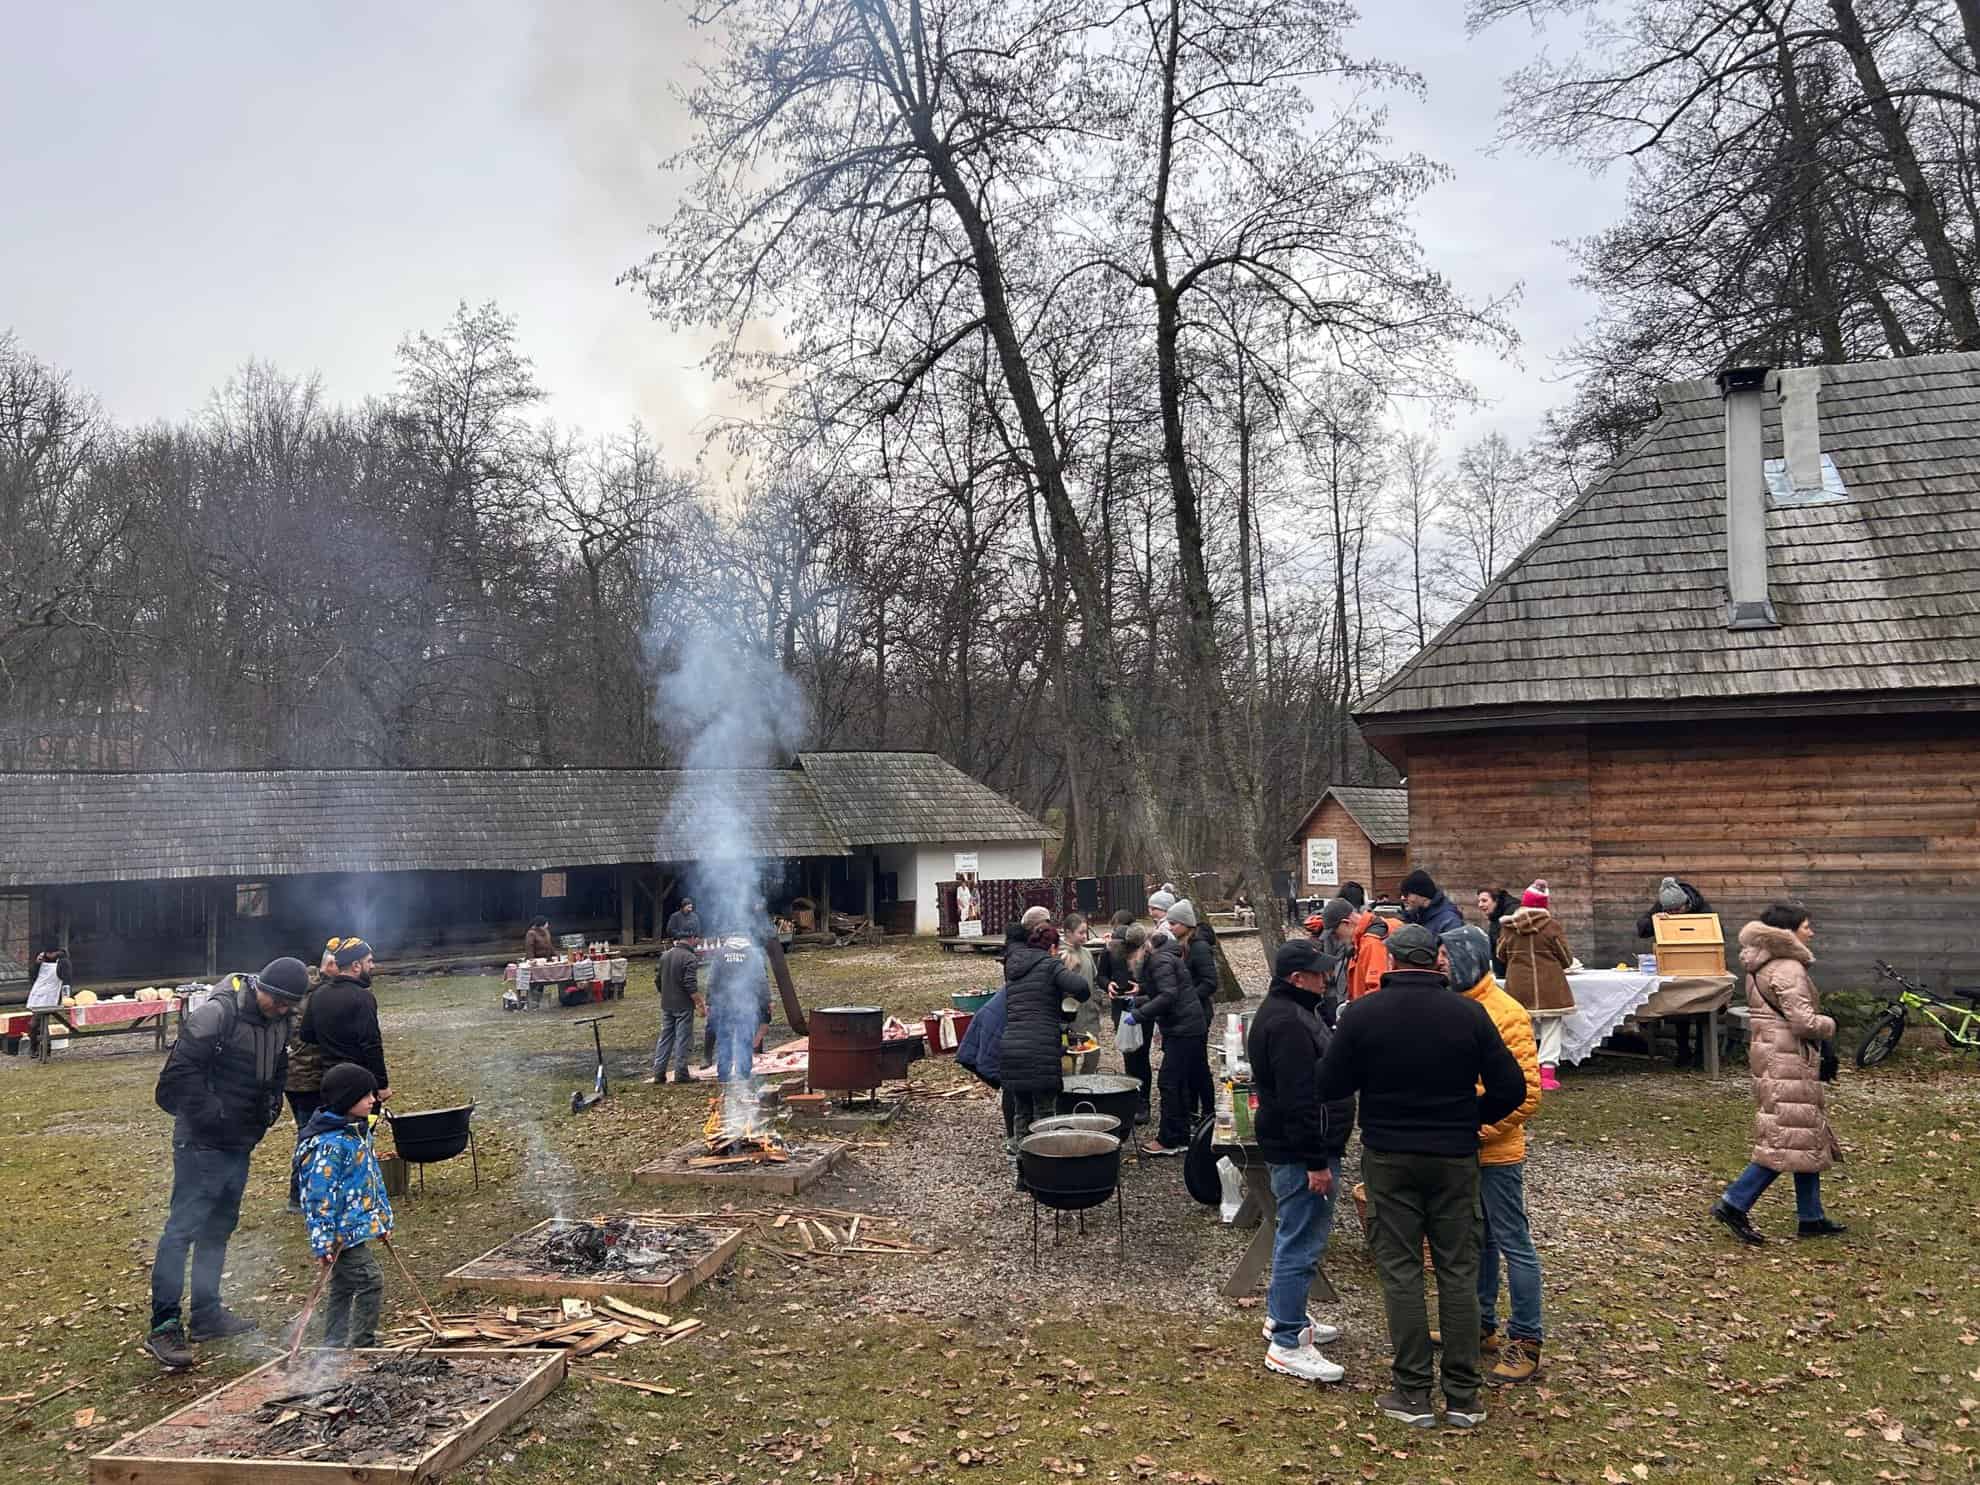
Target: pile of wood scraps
(577,1327)
(817,1233)
(955,1093)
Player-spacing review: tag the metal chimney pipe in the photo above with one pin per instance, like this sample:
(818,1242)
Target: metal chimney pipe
(1747,606)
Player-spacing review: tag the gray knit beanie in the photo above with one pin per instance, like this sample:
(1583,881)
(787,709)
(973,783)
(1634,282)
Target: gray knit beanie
(1160,902)
(1182,912)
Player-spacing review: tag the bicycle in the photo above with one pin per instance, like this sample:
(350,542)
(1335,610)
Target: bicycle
(1888,1029)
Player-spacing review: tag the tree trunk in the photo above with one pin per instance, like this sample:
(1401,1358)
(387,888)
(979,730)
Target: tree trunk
(1955,294)
(1822,297)
(1199,604)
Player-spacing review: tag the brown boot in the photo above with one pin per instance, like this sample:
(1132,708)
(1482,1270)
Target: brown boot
(1519,1361)
(1489,1343)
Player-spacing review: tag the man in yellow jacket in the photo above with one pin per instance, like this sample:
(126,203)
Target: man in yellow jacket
(1467,958)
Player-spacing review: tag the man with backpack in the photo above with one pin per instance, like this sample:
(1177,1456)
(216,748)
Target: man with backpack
(222,1082)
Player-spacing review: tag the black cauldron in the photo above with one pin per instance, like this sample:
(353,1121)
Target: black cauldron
(1100,1093)
(1072,1170)
(434,1134)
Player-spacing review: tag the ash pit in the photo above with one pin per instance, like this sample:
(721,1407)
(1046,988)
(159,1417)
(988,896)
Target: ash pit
(562,1257)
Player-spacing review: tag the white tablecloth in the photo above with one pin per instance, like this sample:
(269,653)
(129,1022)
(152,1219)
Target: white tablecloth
(1603,1000)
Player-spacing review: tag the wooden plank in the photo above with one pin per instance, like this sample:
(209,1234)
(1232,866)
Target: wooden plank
(113,1467)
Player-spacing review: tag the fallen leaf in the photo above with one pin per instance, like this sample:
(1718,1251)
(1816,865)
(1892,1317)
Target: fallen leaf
(85,1417)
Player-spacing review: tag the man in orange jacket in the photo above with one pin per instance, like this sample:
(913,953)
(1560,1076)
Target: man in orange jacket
(1466,956)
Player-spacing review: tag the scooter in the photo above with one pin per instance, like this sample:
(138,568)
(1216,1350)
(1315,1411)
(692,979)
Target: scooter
(582,1101)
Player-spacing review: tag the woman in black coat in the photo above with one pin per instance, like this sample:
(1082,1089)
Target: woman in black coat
(1173,1004)
(1036,980)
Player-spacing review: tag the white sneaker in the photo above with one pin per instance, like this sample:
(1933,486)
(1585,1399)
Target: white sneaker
(1313,1333)
(1304,1363)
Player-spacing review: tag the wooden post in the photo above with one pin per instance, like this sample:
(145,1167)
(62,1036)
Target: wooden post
(872,882)
(626,923)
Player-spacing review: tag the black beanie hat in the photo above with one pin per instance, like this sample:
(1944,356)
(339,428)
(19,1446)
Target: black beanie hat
(344,1085)
(1419,883)
(285,979)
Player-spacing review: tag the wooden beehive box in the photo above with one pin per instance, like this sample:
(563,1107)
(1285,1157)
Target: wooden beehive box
(1689,944)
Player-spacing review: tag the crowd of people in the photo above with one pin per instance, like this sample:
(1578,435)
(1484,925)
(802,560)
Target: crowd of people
(1438,1039)
(1441,1071)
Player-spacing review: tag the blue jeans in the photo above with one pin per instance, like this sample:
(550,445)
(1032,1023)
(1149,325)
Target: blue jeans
(206,1207)
(676,1037)
(735,1037)
(1502,1195)
(1755,1179)
(1304,1222)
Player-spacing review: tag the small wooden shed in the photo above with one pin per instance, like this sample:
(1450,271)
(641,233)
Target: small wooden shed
(1353,834)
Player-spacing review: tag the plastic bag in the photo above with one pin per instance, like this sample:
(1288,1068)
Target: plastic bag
(1233,1184)
(1129,1037)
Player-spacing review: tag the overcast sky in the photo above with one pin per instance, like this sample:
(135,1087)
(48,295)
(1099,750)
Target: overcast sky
(191,185)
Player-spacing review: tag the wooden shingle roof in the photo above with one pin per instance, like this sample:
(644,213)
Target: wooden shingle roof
(1382,814)
(1622,601)
(909,798)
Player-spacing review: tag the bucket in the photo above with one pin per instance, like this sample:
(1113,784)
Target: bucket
(945,1030)
(964,1001)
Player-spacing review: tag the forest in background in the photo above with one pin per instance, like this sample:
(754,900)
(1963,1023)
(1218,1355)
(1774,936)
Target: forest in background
(1093,378)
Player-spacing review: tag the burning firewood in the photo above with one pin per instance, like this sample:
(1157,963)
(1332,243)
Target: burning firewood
(737,1133)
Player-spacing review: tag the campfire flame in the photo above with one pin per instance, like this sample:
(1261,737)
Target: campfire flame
(737,1127)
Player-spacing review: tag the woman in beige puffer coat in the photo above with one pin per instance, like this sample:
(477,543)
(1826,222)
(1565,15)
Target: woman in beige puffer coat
(1786,1030)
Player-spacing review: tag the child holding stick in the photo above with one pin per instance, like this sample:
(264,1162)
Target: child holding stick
(344,1202)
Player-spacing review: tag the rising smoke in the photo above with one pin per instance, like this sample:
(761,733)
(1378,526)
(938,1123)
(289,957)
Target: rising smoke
(726,710)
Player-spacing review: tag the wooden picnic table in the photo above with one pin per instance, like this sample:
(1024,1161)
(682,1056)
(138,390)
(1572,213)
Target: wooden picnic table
(979,944)
(104,1018)
(1260,1210)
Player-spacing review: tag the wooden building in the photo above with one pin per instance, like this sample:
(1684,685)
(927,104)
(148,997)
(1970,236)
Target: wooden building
(1748,656)
(153,875)
(1353,835)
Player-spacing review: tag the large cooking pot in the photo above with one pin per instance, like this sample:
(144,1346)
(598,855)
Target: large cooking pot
(431,1134)
(1083,1123)
(1070,1170)
(1100,1093)
(845,1048)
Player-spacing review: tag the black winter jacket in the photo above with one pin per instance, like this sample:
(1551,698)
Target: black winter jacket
(1694,902)
(222,1081)
(1035,982)
(1440,915)
(1203,972)
(342,1019)
(1285,1046)
(1172,1002)
(1417,1053)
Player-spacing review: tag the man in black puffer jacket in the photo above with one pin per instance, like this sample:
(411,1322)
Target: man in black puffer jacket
(1418,1052)
(1036,980)
(1173,1004)
(1302,1139)
(222,1082)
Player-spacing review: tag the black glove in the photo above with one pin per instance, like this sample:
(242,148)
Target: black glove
(1831,1063)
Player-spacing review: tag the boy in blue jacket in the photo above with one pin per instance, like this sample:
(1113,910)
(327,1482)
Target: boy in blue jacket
(344,1202)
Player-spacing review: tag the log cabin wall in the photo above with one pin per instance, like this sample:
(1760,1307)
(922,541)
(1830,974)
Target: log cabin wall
(1499,809)
(1357,862)
(1873,824)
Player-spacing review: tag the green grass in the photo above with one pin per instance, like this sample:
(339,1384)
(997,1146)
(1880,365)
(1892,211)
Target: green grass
(1673,1356)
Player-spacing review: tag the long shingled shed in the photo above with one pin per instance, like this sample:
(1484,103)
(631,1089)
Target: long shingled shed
(1748,656)
(162,873)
